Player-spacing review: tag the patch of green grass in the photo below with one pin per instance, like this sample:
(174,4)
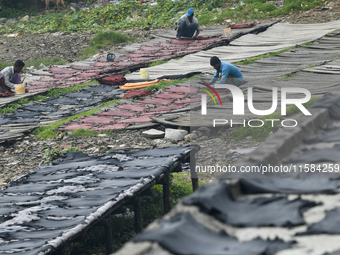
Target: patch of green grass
(88,52)
(205,19)
(310,66)
(307,43)
(48,132)
(283,77)
(251,60)
(158,63)
(329,33)
(54,153)
(103,39)
(83,132)
(261,133)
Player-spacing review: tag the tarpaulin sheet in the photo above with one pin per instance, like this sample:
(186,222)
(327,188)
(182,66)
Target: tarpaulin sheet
(217,201)
(329,225)
(183,235)
(289,186)
(133,107)
(117,113)
(117,79)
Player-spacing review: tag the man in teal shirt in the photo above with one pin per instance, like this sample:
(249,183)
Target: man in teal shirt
(230,73)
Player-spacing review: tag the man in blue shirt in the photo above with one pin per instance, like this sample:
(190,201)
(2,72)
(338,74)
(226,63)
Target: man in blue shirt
(230,73)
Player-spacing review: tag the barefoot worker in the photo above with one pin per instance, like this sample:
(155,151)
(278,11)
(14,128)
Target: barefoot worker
(188,24)
(10,76)
(230,73)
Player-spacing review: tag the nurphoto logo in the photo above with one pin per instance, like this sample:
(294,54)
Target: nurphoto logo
(238,104)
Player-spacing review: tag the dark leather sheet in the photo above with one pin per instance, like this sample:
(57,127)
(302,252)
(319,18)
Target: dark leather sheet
(330,101)
(318,155)
(289,186)
(327,135)
(183,235)
(217,201)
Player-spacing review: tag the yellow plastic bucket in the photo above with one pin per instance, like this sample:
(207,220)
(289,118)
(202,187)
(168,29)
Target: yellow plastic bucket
(144,73)
(19,88)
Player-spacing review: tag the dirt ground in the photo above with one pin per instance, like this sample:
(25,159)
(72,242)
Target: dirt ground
(68,46)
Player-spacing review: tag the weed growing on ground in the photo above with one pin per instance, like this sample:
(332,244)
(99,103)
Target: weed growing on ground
(158,63)
(54,153)
(103,39)
(251,60)
(307,43)
(83,132)
(49,132)
(286,76)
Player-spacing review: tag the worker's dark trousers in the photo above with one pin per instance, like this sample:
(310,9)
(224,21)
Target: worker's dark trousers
(186,31)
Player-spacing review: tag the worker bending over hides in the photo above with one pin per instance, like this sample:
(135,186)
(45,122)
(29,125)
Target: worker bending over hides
(188,24)
(230,73)
(9,76)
